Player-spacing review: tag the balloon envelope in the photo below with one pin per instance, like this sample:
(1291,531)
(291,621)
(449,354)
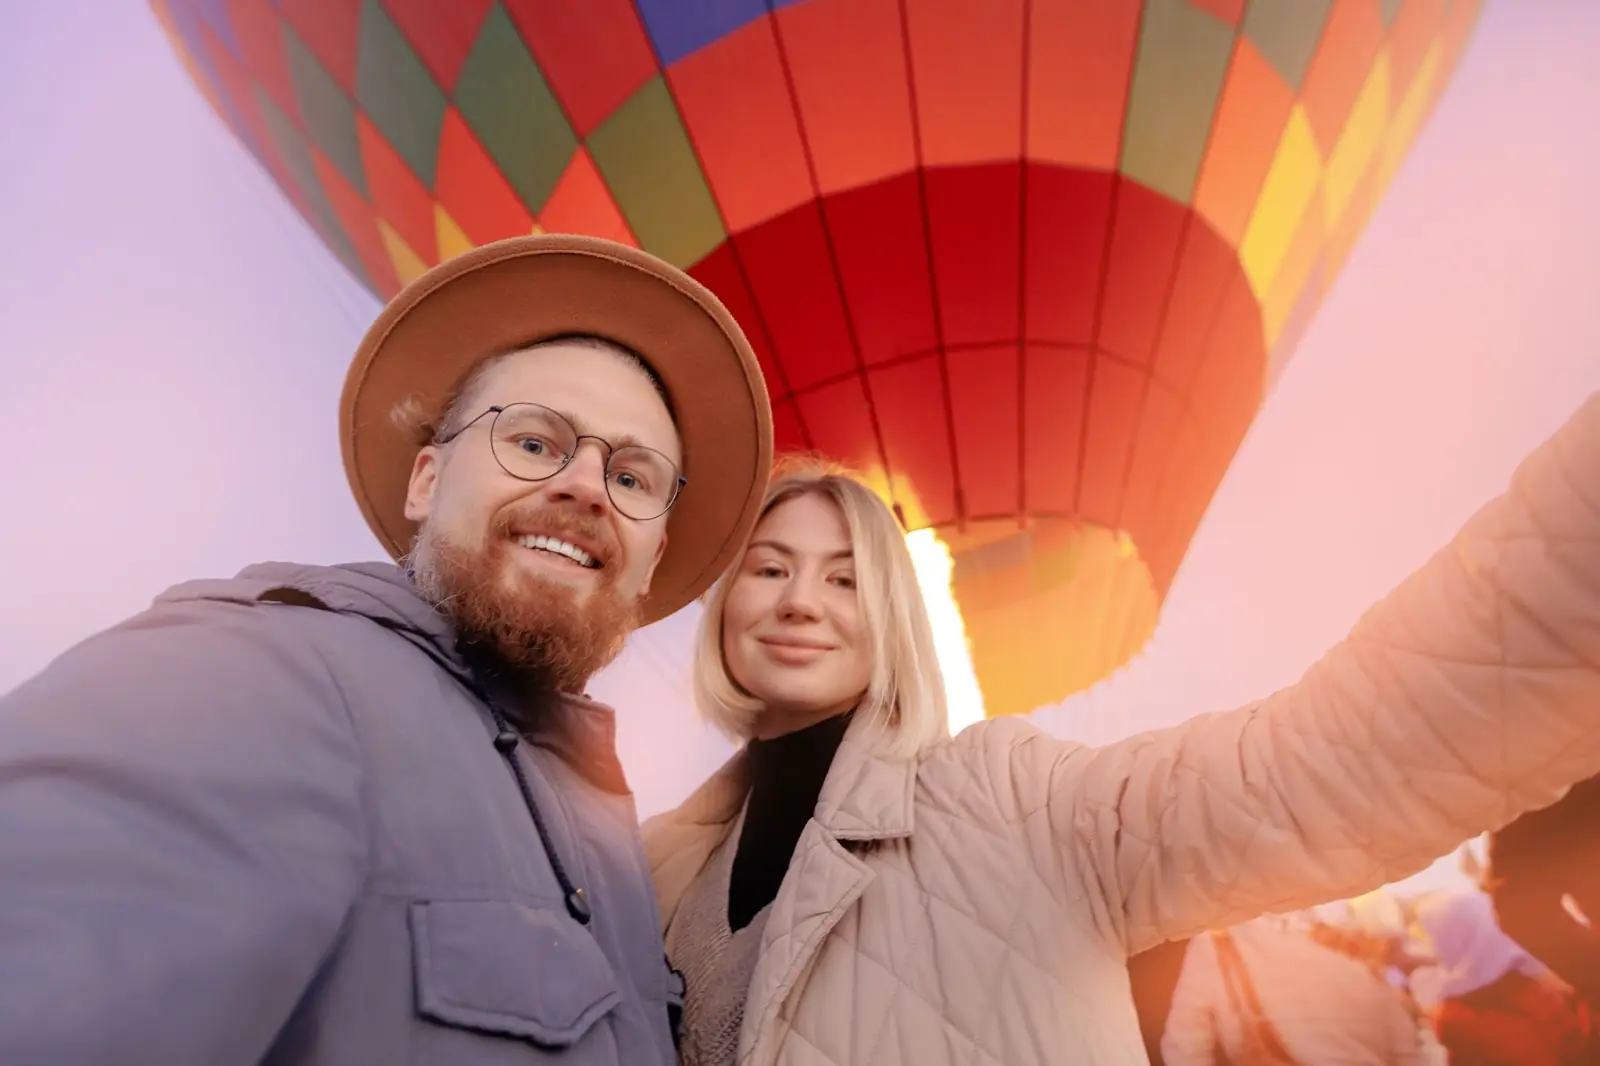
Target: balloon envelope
(1032,266)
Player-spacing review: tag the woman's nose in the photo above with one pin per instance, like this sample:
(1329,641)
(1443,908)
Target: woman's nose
(800,600)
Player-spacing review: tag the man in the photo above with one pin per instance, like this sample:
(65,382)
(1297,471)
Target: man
(360,814)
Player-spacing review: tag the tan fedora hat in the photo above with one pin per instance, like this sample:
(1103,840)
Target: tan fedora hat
(520,291)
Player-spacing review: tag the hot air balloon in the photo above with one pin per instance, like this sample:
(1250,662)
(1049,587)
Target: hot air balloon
(1031,264)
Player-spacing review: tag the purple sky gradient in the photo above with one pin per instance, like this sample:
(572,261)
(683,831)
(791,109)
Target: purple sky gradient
(173,340)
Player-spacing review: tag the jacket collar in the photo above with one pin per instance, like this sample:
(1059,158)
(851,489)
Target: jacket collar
(580,731)
(868,793)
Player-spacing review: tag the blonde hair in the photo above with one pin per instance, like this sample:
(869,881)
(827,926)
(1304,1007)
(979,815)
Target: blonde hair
(905,694)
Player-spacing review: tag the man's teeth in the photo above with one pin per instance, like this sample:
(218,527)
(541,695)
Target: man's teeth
(560,547)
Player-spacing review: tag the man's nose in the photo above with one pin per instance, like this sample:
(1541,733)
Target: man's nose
(583,480)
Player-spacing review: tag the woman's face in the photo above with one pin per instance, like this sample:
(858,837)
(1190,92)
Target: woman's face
(791,623)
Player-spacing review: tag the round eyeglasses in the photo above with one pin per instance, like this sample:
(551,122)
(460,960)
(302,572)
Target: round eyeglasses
(533,443)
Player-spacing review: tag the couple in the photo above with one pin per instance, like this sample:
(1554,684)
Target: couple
(330,816)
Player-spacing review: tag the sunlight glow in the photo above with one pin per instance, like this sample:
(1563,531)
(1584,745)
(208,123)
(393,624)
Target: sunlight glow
(931,558)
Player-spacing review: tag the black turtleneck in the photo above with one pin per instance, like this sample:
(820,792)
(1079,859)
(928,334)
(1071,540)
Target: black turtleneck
(786,776)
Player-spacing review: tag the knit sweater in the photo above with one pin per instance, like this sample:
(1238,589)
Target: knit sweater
(715,940)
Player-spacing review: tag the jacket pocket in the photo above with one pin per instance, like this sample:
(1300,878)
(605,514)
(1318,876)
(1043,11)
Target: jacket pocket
(506,968)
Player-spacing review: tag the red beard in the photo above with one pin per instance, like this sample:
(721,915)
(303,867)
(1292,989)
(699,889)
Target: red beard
(536,627)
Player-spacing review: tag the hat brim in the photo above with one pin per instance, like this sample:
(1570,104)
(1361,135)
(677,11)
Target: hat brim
(523,290)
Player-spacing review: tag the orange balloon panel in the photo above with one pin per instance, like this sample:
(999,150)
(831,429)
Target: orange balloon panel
(1087,580)
(1036,262)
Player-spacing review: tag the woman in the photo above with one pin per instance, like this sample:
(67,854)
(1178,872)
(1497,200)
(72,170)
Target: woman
(857,887)
(1497,1005)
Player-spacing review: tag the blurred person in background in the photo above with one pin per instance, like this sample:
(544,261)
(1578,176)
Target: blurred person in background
(1260,994)
(1541,866)
(1496,1005)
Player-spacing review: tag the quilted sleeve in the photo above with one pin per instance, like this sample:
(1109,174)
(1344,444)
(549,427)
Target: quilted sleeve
(1471,693)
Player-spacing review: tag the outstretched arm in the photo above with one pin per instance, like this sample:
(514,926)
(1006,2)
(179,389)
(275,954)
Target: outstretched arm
(1468,695)
(180,840)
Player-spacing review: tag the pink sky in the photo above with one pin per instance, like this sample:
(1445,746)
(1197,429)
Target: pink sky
(172,341)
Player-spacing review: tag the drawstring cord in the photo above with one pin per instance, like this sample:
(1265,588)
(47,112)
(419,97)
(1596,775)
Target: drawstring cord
(505,742)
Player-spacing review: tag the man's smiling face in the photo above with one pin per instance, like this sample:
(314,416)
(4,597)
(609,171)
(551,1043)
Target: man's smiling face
(548,574)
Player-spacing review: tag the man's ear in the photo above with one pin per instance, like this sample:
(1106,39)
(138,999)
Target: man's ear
(661,550)
(424,479)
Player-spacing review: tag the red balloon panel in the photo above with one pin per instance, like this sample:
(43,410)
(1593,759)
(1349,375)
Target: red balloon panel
(788,432)
(985,402)
(1179,489)
(749,142)
(912,406)
(331,31)
(1205,264)
(1234,353)
(1069,214)
(582,204)
(1079,67)
(1116,392)
(260,37)
(722,273)
(838,420)
(358,222)
(472,189)
(1142,507)
(1146,230)
(974,236)
(1055,390)
(594,54)
(850,88)
(881,250)
(965,113)
(397,195)
(242,101)
(790,271)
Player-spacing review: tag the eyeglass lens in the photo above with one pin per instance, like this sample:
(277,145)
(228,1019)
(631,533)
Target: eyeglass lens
(534,443)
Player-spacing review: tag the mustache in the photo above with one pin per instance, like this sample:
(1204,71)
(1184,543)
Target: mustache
(537,629)
(561,522)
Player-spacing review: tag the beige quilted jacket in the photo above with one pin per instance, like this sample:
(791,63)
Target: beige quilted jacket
(978,905)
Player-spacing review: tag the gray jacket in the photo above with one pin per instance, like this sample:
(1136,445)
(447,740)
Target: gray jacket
(266,821)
